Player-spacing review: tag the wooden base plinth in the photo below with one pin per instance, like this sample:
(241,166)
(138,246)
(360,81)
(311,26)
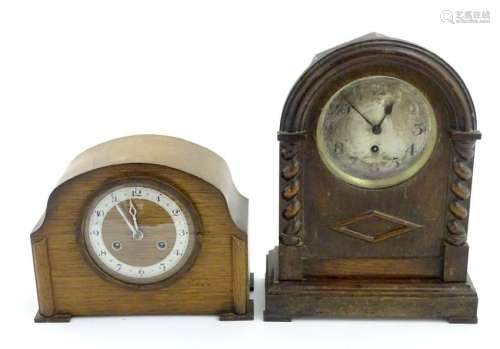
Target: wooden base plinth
(249,315)
(360,298)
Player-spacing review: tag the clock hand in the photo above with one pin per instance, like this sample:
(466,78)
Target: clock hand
(387,111)
(357,111)
(133,212)
(132,229)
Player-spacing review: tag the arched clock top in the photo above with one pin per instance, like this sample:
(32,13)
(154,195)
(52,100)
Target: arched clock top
(165,151)
(374,49)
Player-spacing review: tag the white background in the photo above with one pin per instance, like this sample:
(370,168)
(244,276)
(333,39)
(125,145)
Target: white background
(77,73)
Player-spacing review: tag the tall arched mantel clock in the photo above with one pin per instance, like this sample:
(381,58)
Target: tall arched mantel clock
(376,155)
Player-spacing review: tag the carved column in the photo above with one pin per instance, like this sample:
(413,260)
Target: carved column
(456,249)
(291,213)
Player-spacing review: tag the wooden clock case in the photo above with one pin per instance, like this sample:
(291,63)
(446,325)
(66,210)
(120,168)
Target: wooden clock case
(397,252)
(215,281)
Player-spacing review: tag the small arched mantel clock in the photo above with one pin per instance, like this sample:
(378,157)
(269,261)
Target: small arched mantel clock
(144,224)
(376,155)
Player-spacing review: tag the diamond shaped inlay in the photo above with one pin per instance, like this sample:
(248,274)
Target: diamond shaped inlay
(374,226)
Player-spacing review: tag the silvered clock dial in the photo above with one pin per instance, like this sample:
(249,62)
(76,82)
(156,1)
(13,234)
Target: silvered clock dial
(139,233)
(376,132)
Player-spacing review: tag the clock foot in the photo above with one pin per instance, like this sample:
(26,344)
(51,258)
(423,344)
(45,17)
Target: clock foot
(239,317)
(463,320)
(39,318)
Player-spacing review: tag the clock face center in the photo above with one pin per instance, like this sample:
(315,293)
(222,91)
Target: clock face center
(376,132)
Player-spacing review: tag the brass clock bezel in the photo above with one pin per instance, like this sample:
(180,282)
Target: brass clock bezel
(380,183)
(163,187)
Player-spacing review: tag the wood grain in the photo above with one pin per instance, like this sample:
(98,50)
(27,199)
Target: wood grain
(240,275)
(70,286)
(43,277)
(169,152)
(375,267)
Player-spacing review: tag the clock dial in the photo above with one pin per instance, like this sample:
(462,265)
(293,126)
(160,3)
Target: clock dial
(376,132)
(138,233)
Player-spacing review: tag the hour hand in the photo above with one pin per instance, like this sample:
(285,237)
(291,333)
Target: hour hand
(387,111)
(130,226)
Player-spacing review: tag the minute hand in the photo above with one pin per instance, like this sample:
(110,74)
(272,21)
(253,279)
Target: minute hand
(133,212)
(357,111)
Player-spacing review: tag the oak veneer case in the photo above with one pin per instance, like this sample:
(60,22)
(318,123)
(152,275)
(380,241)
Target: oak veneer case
(213,279)
(366,250)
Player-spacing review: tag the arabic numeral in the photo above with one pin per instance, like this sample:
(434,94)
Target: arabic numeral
(396,161)
(102,253)
(158,198)
(176,212)
(377,89)
(419,129)
(99,213)
(338,148)
(341,108)
(411,149)
(136,192)
(118,267)
(141,272)
(183,233)
(95,232)
(163,266)
(178,253)
(114,198)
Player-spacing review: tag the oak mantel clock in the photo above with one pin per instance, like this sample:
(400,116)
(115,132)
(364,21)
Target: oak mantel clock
(143,225)
(376,156)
